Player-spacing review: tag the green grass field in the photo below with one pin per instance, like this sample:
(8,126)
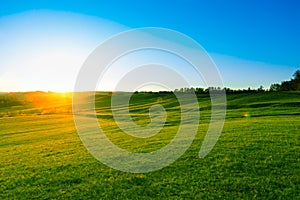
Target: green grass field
(257,155)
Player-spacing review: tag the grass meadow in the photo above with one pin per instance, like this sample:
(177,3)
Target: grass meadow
(257,155)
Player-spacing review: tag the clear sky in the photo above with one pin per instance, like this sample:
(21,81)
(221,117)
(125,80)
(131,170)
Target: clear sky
(252,42)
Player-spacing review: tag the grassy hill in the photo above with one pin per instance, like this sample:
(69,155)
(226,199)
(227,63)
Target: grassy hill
(257,155)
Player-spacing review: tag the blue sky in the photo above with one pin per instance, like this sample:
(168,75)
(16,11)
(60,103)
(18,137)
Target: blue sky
(252,42)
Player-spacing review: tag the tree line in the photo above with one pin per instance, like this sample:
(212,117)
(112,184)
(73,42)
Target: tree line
(291,85)
(198,90)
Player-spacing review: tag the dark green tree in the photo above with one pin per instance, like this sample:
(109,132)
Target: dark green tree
(293,84)
(274,87)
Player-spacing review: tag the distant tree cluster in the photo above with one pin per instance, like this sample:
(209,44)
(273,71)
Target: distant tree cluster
(291,85)
(243,91)
(216,89)
(192,90)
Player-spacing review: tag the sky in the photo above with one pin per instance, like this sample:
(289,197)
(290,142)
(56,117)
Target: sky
(44,43)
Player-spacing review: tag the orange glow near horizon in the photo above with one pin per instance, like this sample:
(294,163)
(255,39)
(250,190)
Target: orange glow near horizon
(51,102)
